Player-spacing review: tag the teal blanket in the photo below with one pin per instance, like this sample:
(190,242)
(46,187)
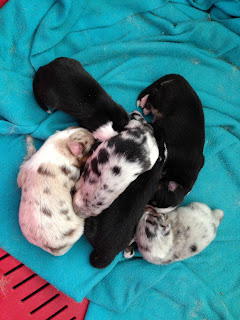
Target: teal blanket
(126,45)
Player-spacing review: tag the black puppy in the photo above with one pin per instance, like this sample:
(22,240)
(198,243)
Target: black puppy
(178,114)
(63,84)
(111,231)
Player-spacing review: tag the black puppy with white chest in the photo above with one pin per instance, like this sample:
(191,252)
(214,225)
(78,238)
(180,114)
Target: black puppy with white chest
(65,85)
(178,116)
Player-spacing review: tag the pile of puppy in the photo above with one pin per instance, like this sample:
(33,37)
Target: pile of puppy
(134,174)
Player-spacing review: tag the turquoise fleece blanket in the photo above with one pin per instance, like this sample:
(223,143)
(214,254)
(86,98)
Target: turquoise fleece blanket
(126,45)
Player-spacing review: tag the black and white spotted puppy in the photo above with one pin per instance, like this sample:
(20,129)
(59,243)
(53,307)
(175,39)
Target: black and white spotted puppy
(177,235)
(178,116)
(65,85)
(114,165)
(46,215)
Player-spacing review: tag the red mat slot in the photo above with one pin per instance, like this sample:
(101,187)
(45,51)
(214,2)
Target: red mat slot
(24,295)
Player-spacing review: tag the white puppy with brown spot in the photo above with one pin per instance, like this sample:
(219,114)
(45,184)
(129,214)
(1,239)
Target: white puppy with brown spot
(177,235)
(46,215)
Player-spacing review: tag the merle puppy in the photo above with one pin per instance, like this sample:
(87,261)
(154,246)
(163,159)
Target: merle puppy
(114,165)
(178,115)
(111,231)
(178,235)
(63,84)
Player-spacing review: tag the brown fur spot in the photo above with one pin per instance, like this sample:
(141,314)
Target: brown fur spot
(73,178)
(47,190)
(64,211)
(65,185)
(46,211)
(45,171)
(24,189)
(68,218)
(61,202)
(65,170)
(69,233)
(56,249)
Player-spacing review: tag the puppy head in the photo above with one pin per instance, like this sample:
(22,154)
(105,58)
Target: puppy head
(75,143)
(154,235)
(169,195)
(156,222)
(120,118)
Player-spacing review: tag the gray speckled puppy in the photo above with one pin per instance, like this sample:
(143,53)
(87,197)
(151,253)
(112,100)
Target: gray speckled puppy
(178,235)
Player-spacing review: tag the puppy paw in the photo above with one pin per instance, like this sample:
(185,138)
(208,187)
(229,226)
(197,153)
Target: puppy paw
(128,253)
(98,261)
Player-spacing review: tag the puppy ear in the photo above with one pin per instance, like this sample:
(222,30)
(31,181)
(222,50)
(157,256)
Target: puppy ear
(76,148)
(166,229)
(173,186)
(151,209)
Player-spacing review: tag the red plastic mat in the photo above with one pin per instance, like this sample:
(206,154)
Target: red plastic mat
(2,2)
(24,295)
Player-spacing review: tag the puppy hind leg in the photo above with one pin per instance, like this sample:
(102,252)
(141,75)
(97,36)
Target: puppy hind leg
(100,259)
(31,150)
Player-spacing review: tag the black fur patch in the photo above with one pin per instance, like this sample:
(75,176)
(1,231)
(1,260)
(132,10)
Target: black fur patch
(153,223)
(99,203)
(94,164)
(45,171)
(122,147)
(149,234)
(46,211)
(105,186)
(85,174)
(116,170)
(193,248)
(188,228)
(92,181)
(103,156)
(65,170)
(136,132)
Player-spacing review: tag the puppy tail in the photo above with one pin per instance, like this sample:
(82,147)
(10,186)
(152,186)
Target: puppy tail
(36,91)
(219,215)
(31,150)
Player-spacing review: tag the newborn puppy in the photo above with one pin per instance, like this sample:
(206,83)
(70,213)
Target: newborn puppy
(114,165)
(46,215)
(178,235)
(111,231)
(178,114)
(63,84)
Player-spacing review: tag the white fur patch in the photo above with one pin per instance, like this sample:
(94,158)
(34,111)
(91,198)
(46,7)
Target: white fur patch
(105,132)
